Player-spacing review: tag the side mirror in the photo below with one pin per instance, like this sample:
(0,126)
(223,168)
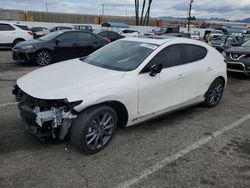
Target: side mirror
(58,41)
(155,69)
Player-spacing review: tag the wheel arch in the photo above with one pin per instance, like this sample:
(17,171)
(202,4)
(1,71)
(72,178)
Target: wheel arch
(120,109)
(22,39)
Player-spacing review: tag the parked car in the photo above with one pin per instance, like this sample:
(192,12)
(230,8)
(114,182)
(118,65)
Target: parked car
(216,34)
(124,83)
(164,30)
(83,27)
(226,41)
(58,46)
(129,33)
(111,35)
(247,37)
(195,35)
(58,28)
(38,30)
(185,35)
(238,58)
(12,34)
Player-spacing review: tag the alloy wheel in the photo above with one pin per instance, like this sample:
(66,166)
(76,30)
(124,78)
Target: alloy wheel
(43,58)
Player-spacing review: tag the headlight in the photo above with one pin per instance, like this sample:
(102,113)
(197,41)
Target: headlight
(27,47)
(224,54)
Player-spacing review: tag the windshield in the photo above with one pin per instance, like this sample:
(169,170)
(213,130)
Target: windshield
(50,36)
(121,55)
(162,30)
(246,44)
(217,32)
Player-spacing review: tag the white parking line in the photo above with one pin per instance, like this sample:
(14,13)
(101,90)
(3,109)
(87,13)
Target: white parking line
(181,153)
(8,104)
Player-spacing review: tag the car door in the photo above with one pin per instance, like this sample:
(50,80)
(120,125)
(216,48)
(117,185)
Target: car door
(7,34)
(66,46)
(197,77)
(163,91)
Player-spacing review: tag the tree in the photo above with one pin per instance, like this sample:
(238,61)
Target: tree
(144,18)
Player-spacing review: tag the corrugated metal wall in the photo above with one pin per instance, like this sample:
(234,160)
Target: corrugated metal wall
(35,16)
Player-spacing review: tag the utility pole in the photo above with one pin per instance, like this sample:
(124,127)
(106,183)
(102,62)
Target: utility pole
(47,10)
(103,9)
(189,14)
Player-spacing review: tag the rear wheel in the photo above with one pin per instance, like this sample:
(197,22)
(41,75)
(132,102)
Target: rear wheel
(214,93)
(93,129)
(43,58)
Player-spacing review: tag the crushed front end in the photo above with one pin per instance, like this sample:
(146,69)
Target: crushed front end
(45,118)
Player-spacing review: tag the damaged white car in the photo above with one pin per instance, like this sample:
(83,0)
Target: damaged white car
(121,84)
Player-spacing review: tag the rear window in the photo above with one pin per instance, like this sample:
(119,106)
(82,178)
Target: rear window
(23,27)
(192,53)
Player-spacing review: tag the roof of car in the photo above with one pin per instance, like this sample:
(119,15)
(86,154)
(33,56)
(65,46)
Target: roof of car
(160,41)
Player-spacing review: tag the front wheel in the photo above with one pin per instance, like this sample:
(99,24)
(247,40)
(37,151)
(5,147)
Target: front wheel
(214,93)
(93,129)
(43,58)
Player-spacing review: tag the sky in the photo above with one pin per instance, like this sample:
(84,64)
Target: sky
(228,9)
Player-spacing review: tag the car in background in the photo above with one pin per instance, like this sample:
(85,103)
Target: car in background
(83,27)
(58,46)
(122,84)
(246,36)
(195,35)
(226,41)
(13,33)
(164,30)
(184,35)
(216,34)
(57,28)
(111,35)
(238,58)
(36,30)
(129,33)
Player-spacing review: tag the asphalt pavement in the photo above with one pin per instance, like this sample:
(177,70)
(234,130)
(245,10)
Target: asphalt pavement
(195,147)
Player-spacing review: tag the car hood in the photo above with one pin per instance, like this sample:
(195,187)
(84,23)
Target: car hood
(68,79)
(238,50)
(29,42)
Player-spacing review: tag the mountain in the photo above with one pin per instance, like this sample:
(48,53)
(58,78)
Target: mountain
(246,20)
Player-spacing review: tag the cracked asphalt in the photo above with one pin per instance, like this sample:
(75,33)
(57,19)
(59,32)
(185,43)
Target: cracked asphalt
(224,161)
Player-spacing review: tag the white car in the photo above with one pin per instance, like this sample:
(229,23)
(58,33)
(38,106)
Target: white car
(121,84)
(129,33)
(195,35)
(12,34)
(216,34)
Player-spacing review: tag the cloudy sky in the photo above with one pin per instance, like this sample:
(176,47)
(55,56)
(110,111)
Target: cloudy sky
(229,9)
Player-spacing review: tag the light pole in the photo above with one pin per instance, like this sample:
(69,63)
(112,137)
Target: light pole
(189,14)
(103,9)
(47,10)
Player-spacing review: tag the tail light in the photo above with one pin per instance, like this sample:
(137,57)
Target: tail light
(30,33)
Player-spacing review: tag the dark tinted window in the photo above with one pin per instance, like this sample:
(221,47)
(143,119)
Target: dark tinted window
(193,53)
(104,34)
(168,57)
(23,27)
(113,34)
(86,36)
(6,27)
(66,37)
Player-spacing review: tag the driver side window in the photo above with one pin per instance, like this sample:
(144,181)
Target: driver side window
(168,57)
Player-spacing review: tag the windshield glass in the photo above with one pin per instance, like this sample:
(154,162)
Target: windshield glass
(217,32)
(121,55)
(246,44)
(50,36)
(162,30)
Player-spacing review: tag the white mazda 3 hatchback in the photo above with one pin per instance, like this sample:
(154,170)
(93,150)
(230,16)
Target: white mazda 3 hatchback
(121,84)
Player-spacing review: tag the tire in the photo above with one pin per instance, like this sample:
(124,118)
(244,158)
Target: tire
(43,58)
(214,94)
(93,129)
(17,41)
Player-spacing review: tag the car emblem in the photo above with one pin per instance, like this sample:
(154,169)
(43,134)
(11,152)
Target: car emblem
(235,56)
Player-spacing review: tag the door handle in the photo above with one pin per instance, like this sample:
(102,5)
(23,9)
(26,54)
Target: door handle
(209,69)
(181,76)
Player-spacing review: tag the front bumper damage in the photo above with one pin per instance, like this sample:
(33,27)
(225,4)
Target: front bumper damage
(45,118)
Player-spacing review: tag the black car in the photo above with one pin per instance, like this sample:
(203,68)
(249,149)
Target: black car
(111,35)
(226,41)
(238,58)
(58,46)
